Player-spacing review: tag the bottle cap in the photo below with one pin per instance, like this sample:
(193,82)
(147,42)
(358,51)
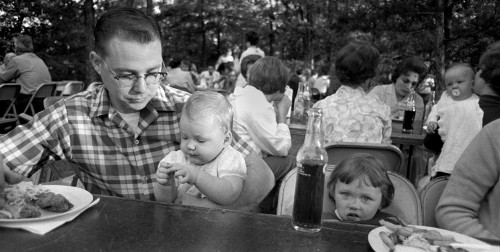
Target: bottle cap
(455,92)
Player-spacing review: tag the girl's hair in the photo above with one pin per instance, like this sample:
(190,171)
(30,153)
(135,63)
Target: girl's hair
(211,105)
(367,168)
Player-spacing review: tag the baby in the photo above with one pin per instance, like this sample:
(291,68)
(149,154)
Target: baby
(456,117)
(206,166)
(360,187)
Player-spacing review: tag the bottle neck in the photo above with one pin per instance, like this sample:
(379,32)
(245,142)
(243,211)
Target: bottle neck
(314,133)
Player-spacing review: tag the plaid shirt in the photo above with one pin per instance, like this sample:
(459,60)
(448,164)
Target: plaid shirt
(85,129)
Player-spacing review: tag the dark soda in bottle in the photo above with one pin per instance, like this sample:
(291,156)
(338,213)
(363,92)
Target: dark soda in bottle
(311,159)
(409,112)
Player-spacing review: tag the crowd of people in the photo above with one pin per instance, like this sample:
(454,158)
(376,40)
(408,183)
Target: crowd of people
(147,133)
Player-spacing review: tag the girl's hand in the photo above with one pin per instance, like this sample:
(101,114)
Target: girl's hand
(431,127)
(186,173)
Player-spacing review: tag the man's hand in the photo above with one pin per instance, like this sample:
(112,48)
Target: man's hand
(282,106)
(186,173)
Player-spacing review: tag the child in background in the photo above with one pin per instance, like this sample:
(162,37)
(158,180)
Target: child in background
(206,166)
(456,117)
(360,187)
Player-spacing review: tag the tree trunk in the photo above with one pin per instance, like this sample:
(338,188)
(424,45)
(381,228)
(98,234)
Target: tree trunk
(89,14)
(441,33)
(149,7)
(203,35)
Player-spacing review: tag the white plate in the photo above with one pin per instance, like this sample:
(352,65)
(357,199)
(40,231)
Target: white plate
(77,196)
(379,246)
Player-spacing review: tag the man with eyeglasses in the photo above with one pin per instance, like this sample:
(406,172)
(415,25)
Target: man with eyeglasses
(118,133)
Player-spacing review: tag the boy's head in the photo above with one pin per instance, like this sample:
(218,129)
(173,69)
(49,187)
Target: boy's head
(459,81)
(252,38)
(356,63)
(205,126)
(487,80)
(360,186)
(247,62)
(268,75)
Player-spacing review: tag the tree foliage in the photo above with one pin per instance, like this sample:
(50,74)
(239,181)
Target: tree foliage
(307,31)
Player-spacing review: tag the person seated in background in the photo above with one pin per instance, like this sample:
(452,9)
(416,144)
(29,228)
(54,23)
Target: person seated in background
(6,60)
(226,57)
(246,63)
(26,69)
(470,202)
(350,115)
(487,83)
(456,118)
(209,77)
(179,78)
(260,117)
(360,187)
(206,166)
(252,41)
(406,75)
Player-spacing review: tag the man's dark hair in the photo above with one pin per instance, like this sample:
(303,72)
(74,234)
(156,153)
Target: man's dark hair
(125,23)
(24,44)
(356,62)
(252,38)
(489,63)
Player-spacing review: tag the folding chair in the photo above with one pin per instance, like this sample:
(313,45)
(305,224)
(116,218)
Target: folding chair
(35,104)
(406,202)
(9,118)
(72,88)
(429,196)
(390,155)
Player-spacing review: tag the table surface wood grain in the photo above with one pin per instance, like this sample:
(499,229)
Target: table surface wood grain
(117,224)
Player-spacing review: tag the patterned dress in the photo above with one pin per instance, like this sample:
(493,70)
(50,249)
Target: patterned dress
(350,115)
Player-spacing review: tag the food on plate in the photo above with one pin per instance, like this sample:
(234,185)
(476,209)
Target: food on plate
(401,236)
(24,200)
(53,202)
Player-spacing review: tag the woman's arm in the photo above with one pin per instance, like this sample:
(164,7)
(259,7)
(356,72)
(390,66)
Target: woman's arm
(474,177)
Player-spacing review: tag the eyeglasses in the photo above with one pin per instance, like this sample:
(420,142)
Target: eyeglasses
(128,80)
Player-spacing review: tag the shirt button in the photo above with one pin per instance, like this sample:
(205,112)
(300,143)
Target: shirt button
(136,141)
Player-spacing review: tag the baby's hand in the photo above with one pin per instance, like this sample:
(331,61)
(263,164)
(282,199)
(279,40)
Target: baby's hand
(163,175)
(431,127)
(186,173)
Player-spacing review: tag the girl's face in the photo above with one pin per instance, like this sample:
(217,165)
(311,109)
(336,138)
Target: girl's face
(358,200)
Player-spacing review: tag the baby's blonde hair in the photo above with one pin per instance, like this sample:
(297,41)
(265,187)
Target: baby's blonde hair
(210,105)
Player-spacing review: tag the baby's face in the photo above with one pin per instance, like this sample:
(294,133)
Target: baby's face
(357,201)
(459,83)
(201,139)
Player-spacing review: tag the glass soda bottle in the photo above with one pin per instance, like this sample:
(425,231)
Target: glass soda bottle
(298,107)
(311,159)
(409,112)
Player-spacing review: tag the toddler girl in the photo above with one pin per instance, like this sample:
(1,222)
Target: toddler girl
(360,187)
